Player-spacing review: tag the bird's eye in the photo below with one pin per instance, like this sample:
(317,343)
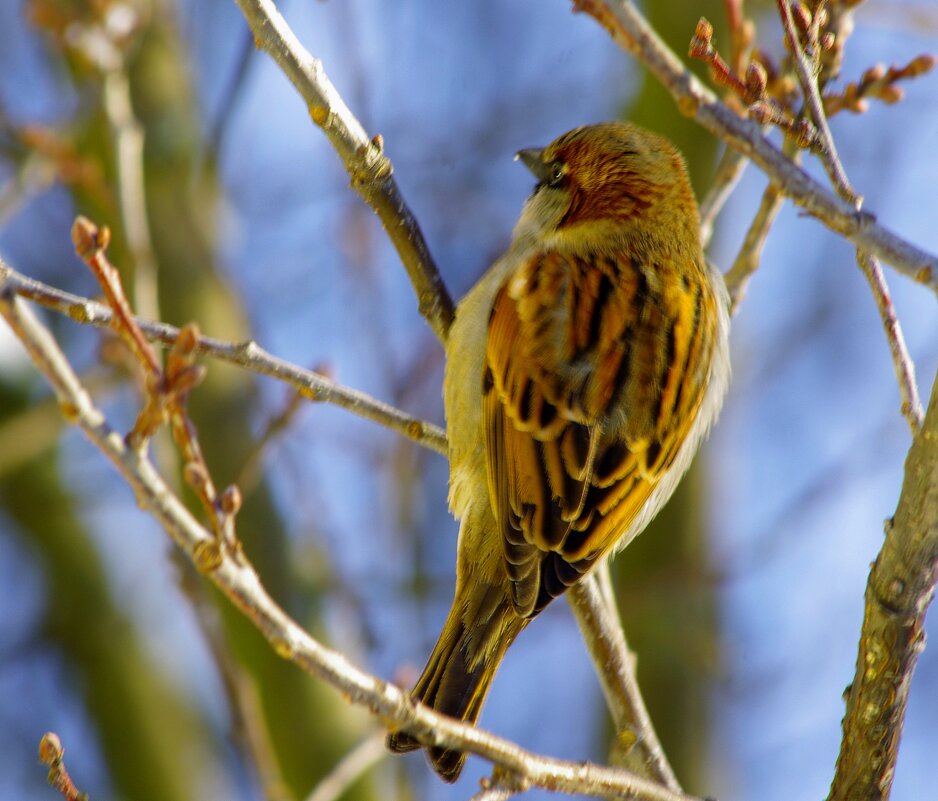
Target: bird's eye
(556,174)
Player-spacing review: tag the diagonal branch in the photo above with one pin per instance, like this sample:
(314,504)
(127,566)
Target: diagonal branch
(368,167)
(230,571)
(594,608)
(596,617)
(310,384)
(902,362)
(750,253)
(725,178)
(807,77)
(632,32)
(352,766)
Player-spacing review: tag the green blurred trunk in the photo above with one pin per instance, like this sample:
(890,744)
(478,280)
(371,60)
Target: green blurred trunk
(667,602)
(309,726)
(155,743)
(149,736)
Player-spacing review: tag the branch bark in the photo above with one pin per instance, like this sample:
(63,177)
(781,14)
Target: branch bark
(310,384)
(368,167)
(596,614)
(900,588)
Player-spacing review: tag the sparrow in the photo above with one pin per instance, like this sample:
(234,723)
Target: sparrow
(582,372)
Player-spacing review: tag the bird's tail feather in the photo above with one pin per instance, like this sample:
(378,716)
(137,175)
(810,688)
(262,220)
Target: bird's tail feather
(456,681)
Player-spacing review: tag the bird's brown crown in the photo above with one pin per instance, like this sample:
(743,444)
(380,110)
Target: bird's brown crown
(617,172)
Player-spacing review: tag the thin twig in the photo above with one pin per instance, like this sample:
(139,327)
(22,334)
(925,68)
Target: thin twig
(879,83)
(741,33)
(728,172)
(167,388)
(364,159)
(238,581)
(353,765)
(52,753)
(808,79)
(128,146)
(750,253)
(249,354)
(902,362)
(32,176)
(594,607)
(278,424)
(249,724)
(631,31)
(101,45)
(91,243)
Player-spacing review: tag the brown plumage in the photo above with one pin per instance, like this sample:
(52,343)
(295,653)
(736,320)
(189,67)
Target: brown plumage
(582,372)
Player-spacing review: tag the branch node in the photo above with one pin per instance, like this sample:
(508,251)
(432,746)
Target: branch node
(283,646)
(207,556)
(320,115)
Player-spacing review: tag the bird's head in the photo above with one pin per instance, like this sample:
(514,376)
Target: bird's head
(607,180)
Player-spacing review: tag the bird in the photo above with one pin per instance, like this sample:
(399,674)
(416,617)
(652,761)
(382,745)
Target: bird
(582,372)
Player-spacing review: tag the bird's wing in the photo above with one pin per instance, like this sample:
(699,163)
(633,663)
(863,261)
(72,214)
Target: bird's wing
(595,369)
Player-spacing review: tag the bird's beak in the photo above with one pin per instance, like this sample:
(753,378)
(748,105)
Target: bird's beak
(532,158)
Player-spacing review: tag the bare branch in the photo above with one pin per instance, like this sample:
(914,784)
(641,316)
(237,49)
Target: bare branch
(233,574)
(902,362)
(807,77)
(632,32)
(594,608)
(900,588)
(364,159)
(750,254)
(905,370)
(879,83)
(355,763)
(728,172)
(310,384)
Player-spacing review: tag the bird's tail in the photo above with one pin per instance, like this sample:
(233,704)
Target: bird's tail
(458,675)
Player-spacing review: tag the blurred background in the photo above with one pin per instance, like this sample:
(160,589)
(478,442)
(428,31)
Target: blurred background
(743,601)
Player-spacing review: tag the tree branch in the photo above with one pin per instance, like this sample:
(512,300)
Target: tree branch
(594,609)
(597,618)
(747,260)
(52,753)
(227,566)
(632,32)
(807,77)
(355,764)
(728,172)
(901,361)
(368,167)
(900,588)
(310,384)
